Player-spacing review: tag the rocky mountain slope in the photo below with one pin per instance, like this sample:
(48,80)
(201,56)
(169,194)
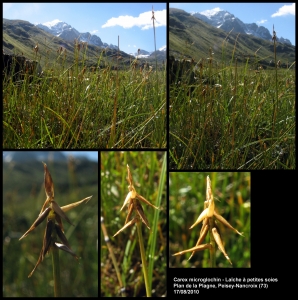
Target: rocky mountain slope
(227,21)
(68,33)
(21,37)
(190,37)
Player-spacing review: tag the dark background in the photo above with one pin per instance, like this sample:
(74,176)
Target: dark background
(23,196)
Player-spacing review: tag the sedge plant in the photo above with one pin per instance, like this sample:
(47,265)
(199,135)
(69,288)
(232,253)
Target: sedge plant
(54,238)
(133,201)
(209,217)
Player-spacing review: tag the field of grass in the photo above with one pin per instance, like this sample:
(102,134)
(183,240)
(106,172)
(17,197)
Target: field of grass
(74,107)
(241,119)
(187,193)
(23,197)
(148,170)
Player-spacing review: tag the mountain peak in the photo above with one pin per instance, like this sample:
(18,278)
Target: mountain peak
(52,23)
(163,48)
(227,21)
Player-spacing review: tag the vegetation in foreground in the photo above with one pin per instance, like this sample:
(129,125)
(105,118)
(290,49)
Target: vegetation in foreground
(240,119)
(149,179)
(80,107)
(23,196)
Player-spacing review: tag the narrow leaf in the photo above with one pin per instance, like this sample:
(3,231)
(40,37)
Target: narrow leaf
(208,189)
(131,222)
(220,244)
(201,238)
(196,248)
(46,245)
(210,199)
(58,219)
(145,201)
(141,213)
(205,222)
(48,201)
(47,238)
(48,183)
(225,222)
(62,236)
(129,176)
(38,262)
(130,210)
(210,207)
(127,199)
(66,249)
(201,217)
(59,211)
(75,204)
(37,222)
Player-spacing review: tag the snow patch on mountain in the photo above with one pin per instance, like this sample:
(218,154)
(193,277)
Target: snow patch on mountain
(163,48)
(227,21)
(68,33)
(145,54)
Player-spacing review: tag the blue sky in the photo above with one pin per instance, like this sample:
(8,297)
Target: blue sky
(282,15)
(91,155)
(131,21)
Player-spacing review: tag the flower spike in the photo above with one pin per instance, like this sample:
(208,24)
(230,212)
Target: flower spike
(53,213)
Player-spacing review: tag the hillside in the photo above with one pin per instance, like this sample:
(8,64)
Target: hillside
(190,37)
(21,37)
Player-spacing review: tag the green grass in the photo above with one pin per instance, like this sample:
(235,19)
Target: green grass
(148,170)
(186,202)
(245,121)
(74,107)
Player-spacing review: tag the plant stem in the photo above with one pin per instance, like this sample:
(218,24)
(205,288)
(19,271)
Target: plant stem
(56,271)
(144,264)
(212,242)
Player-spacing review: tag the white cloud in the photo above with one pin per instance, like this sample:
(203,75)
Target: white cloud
(94,31)
(143,20)
(261,22)
(285,10)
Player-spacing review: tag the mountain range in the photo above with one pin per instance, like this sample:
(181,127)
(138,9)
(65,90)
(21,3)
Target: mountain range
(20,37)
(227,21)
(68,33)
(143,53)
(191,37)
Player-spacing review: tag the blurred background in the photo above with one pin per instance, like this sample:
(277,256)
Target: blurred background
(187,193)
(75,177)
(146,171)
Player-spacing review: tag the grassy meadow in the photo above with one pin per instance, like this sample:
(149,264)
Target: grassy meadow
(73,106)
(23,197)
(121,264)
(241,118)
(187,193)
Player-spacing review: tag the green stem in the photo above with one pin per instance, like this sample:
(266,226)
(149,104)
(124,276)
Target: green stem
(144,264)
(212,242)
(56,271)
